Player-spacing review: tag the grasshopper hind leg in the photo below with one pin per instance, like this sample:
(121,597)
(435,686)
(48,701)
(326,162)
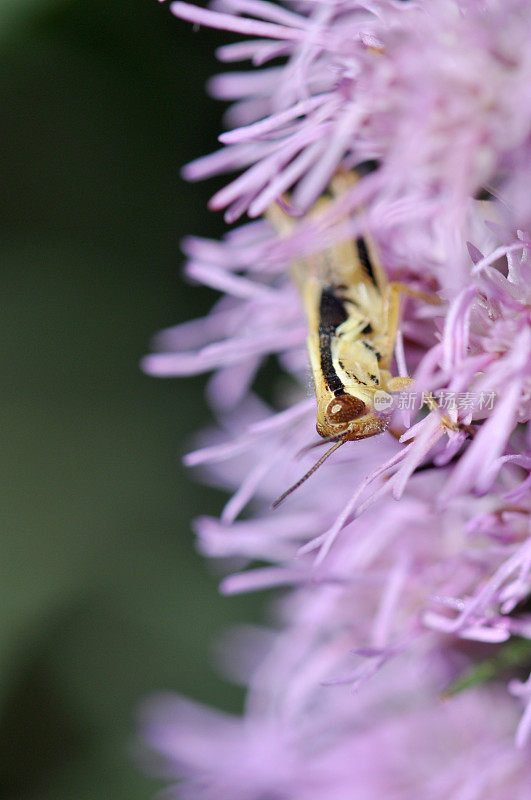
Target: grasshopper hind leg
(399,384)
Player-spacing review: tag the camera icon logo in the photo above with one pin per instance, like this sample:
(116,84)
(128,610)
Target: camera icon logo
(382,401)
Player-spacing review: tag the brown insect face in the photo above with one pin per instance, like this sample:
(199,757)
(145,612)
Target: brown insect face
(349,417)
(344,409)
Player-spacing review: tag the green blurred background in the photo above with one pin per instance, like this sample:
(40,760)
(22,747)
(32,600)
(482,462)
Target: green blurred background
(103,598)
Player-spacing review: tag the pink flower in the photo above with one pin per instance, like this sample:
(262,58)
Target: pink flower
(405,83)
(398,743)
(405,561)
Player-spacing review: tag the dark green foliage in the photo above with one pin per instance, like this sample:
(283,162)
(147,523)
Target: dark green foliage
(102,596)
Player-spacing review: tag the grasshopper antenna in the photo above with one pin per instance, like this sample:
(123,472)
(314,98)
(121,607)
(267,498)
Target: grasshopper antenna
(309,473)
(325,440)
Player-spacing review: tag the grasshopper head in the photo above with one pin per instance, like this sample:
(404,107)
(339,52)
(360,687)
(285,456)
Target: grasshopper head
(350,418)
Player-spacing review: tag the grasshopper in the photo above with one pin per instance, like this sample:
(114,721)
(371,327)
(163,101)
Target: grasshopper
(352,311)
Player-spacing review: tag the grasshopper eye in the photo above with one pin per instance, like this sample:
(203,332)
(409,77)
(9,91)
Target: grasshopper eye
(345,408)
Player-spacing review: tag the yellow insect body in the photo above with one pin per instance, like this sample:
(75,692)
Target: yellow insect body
(352,314)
